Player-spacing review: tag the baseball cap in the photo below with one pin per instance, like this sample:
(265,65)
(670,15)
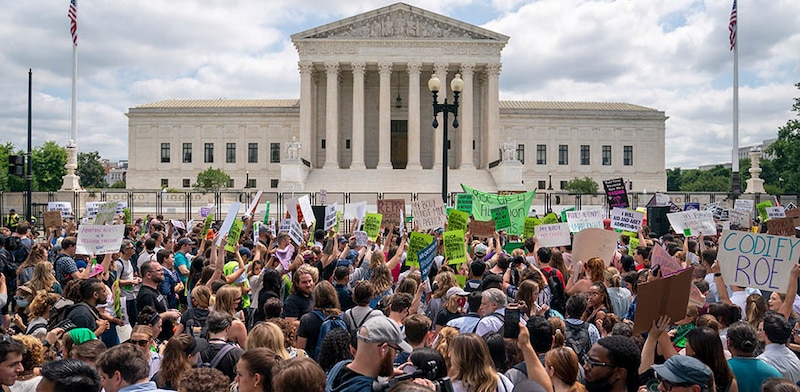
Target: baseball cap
(342,239)
(380,329)
(480,250)
(455,291)
(683,369)
(245,252)
(185,241)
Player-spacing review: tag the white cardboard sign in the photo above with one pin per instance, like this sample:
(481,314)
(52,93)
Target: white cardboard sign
(696,221)
(556,234)
(100,239)
(584,219)
(625,219)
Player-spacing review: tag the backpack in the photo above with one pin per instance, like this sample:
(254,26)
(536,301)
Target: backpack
(58,315)
(558,300)
(18,252)
(357,326)
(497,315)
(217,358)
(328,323)
(357,383)
(196,321)
(577,338)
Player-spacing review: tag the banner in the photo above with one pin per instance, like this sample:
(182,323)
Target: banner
(556,234)
(760,261)
(372,225)
(457,220)
(390,209)
(100,239)
(416,242)
(590,243)
(454,248)
(518,206)
(428,213)
(616,194)
(584,219)
(625,219)
(695,221)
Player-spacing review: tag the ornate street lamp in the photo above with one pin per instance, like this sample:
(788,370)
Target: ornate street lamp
(457,85)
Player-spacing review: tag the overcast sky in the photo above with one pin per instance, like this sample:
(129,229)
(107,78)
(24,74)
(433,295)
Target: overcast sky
(669,55)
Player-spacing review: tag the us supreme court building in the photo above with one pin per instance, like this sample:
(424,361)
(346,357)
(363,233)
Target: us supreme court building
(363,121)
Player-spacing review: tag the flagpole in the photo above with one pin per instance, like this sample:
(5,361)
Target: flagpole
(71,181)
(736,187)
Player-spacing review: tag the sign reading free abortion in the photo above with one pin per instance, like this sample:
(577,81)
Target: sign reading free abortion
(757,260)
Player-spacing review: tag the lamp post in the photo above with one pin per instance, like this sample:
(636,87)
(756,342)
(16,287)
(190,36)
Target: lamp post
(434,84)
(247,180)
(549,181)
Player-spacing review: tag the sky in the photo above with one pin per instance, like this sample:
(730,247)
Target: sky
(669,55)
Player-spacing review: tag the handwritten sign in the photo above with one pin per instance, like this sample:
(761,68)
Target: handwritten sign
(64,207)
(233,210)
(501,218)
(556,234)
(744,205)
(616,194)
(100,239)
(416,242)
(781,226)
(481,229)
(584,219)
(428,213)
(776,212)
(761,261)
(669,265)
(530,227)
(372,225)
(464,202)
(331,216)
(517,204)
(457,220)
(233,236)
(425,257)
(590,243)
(390,209)
(625,219)
(454,248)
(696,221)
(52,219)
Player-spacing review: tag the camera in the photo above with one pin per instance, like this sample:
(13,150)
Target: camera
(427,371)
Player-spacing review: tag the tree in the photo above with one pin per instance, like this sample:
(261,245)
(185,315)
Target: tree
(787,151)
(212,180)
(118,185)
(48,167)
(585,185)
(90,170)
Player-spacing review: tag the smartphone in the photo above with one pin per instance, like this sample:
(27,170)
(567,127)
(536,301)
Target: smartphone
(511,329)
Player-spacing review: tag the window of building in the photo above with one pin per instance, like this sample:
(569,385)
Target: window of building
(187,183)
(563,154)
(165,150)
(585,154)
(563,185)
(251,183)
(231,183)
(606,155)
(521,153)
(208,153)
(347,144)
(164,183)
(230,152)
(323,144)
(273,183)
(187,152)
(541,184)
(252,152)
(275,153)
(541,154)
(627,155)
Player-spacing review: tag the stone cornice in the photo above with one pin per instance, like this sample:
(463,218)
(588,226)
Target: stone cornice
(321,50)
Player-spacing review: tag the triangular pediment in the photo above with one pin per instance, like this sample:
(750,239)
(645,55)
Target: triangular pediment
(400,21)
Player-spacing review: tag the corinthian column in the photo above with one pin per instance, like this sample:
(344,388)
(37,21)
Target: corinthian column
(384,116)
(332,116)
(358,116)
(413,116)
(467,128)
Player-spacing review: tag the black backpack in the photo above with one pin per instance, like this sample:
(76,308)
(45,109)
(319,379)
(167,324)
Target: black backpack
(195,320)
(577,338)
(58,315)
(558,301)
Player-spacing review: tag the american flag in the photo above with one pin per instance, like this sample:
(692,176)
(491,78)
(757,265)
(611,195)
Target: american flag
(732,26)
(73,20)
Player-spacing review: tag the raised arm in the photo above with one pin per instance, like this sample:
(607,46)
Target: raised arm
(657,328)
(791,293)
(398,256)
(722,289)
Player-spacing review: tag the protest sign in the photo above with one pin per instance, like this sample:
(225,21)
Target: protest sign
(691,206)
(550,219)
(556,234)
(416,242)
(100,239)
(625,219)
(204,211)
(518,206)
(64,207)
(428,213)
(530,225)
(579,220)
(91,208)
(233,236)
(776,212)
(744,205)
(454,248)
(592,242)
(52,219)
(791,206)
(330,216)
(362,238)
(296,232)
(564,213)
(761,261)
(662,199)
(425,257)
(633,243)
(323,196)
(662,297)
(372,225)
(105,213)
(457,220)
(464,202)
(501,218)
(696,221)
(285,226)
(669,265)
(233,210)
(207,224)
(781,226)
(481,229)
(739,218)
(251,210)
(616,194)
(266,213)
(390,209)
(509,247)
(762,210)
(304,202)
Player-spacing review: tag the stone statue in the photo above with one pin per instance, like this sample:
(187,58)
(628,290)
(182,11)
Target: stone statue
(509,149)
(293,150)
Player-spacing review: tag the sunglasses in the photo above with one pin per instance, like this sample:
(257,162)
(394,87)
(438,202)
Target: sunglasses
(140,343)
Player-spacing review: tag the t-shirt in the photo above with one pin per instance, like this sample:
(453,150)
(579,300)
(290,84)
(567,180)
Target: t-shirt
(445,316)
(297,305)
(84,316)
(345,296)
(149,296)
(125,269)
(227,365)
(751,373)
(309,329)
(181,260)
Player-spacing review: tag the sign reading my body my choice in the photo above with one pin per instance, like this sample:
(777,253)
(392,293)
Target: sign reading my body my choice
(757,260)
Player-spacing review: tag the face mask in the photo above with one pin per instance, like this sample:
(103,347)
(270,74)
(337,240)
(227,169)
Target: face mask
(22,303)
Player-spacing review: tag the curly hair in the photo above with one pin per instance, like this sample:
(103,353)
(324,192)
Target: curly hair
(594,268)
(41,303)
(288,328)
(335,347)
(204,380)
(34,354)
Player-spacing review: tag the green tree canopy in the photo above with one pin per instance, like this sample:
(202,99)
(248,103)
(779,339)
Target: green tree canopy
(787,151)
(212,180)
(48,167)
(581,185)
(90,170)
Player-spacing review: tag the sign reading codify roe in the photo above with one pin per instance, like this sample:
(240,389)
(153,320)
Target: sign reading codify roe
(760,261)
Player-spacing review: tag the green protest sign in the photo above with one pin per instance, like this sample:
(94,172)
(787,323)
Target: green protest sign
(501,218)
(518,206)
(266,214)
(510,246)
(127,212)
(564,213)
(530,224)
(454,248)
(550,218)
(372,225)
(464,202)
(633,243)
(457,220)
(762,210)
(416,242)
(207,224)
(233,235)
(462,280)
